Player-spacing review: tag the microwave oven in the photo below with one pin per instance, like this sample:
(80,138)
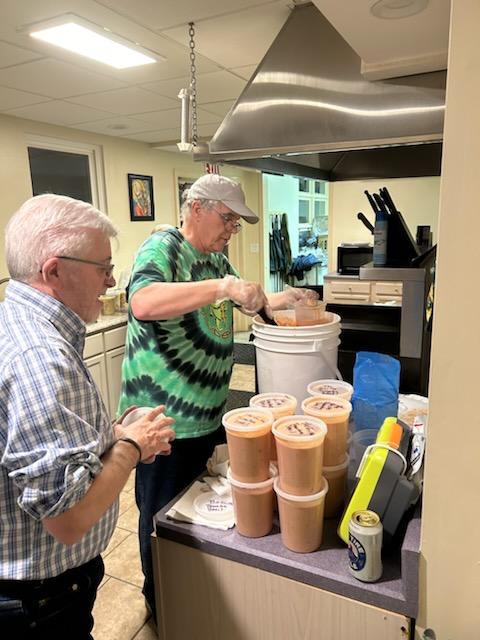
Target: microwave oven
(350,257)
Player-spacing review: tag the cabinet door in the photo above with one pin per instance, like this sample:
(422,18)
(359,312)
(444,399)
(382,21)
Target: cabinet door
(229,600)
(114,360)
(96,366)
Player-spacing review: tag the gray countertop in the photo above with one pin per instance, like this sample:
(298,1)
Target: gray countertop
(396,591)
(107,322)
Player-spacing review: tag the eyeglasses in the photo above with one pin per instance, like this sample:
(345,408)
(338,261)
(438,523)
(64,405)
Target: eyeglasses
(228,220)
(108,268)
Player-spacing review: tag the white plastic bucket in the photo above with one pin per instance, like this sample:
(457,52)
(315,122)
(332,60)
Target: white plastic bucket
(289,358)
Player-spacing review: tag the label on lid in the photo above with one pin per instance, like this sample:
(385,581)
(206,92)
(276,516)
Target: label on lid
(298,428)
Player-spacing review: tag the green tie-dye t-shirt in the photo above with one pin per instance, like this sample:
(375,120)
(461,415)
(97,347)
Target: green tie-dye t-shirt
(184,362)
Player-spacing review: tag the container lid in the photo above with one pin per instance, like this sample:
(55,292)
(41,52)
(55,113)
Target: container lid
(327,407)
(211,506)
(302,428)
(310,498)
(254,485)
(330,388)
(273,400)
(248,419)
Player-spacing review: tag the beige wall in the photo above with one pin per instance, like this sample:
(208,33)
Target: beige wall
(450,569)
(119,158)
(416,198)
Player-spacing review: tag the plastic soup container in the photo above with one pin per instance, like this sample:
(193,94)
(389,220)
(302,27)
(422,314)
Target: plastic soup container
(335,413)
(253,507)
(248,438)
(337,484)
(280,404)
(299,441)
(331,388)
(301,518)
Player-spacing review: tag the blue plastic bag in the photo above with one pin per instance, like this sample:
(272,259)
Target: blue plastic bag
(376,382)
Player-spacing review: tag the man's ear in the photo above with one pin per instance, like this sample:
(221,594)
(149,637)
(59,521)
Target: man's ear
(50,271)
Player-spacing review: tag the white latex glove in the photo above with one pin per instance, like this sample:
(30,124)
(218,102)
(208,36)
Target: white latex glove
(248,295)
(296,295)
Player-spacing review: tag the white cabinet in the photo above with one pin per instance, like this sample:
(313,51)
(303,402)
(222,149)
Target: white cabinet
(354,291)
(103,355)
(114,361)
(97,368)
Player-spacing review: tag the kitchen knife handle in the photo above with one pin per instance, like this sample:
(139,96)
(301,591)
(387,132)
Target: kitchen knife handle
(388,200)
(372,202)
(380,204)
(361,216)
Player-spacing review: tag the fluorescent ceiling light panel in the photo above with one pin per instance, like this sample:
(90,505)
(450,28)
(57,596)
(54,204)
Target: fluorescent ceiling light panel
(86,42)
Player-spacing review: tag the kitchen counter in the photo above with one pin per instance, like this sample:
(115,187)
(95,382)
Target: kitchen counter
(327,569)
(107,322)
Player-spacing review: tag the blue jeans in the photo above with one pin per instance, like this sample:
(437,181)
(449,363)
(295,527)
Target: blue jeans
(54,608)
(158,483)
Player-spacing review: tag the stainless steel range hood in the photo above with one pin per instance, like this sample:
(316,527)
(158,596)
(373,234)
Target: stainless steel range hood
(308,95)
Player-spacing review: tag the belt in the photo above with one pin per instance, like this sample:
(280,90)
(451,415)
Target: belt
(14,588)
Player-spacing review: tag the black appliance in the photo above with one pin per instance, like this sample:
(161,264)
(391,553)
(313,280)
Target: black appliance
(350,257)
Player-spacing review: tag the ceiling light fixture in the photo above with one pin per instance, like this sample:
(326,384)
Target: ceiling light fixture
(394,9)
(77,35)
(188,120)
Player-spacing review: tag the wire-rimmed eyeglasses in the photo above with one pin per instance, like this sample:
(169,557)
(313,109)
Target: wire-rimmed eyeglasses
(108,268)
(228,220)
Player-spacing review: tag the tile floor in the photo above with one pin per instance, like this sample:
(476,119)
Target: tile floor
(119,611)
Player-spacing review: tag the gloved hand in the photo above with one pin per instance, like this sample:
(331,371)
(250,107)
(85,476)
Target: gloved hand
(248,295)
(298,295)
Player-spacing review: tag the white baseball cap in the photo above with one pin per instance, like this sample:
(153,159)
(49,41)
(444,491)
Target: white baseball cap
(215,187)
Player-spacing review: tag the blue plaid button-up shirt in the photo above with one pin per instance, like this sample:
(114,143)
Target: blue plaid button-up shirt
(53,430)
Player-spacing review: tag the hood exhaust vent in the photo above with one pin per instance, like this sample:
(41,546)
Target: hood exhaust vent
(308,95)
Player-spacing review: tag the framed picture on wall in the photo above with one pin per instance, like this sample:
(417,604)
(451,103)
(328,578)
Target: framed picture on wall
(140,193)
(182,185)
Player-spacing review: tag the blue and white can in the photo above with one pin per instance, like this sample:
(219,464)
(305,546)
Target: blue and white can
(365,534)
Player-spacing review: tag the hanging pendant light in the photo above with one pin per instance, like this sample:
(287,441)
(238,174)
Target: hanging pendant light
(188,122)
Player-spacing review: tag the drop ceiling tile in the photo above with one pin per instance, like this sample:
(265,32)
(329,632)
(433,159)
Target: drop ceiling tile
(173,134)
(160,15)
(211,87)
(12,98)
(58,112)
(125,101)
(55,79)
(115,126)
(218,108)
(10,55)
(245,72)
(239,39)
(169,118)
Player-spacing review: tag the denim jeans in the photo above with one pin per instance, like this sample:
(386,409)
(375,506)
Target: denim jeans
(54,608)
(158,483)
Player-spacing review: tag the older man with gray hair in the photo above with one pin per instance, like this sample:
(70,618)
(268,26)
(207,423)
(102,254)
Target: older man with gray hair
(179,348)
(62,463)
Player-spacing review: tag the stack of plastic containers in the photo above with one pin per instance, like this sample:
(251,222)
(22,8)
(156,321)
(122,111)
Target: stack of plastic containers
(300,485)
(280,404)
(330,403)
(249,445)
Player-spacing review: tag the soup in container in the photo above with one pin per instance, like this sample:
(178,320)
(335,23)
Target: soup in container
(335,413)
(337,486)
(331,388)
(301,518)
(280,404)
(248,438)
(253,504)
(299,441)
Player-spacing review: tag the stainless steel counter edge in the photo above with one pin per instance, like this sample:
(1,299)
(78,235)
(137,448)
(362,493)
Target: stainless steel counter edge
(106,322)
(326,569)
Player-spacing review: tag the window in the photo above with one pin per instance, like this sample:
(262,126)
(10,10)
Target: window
(312,215)
(71,169)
